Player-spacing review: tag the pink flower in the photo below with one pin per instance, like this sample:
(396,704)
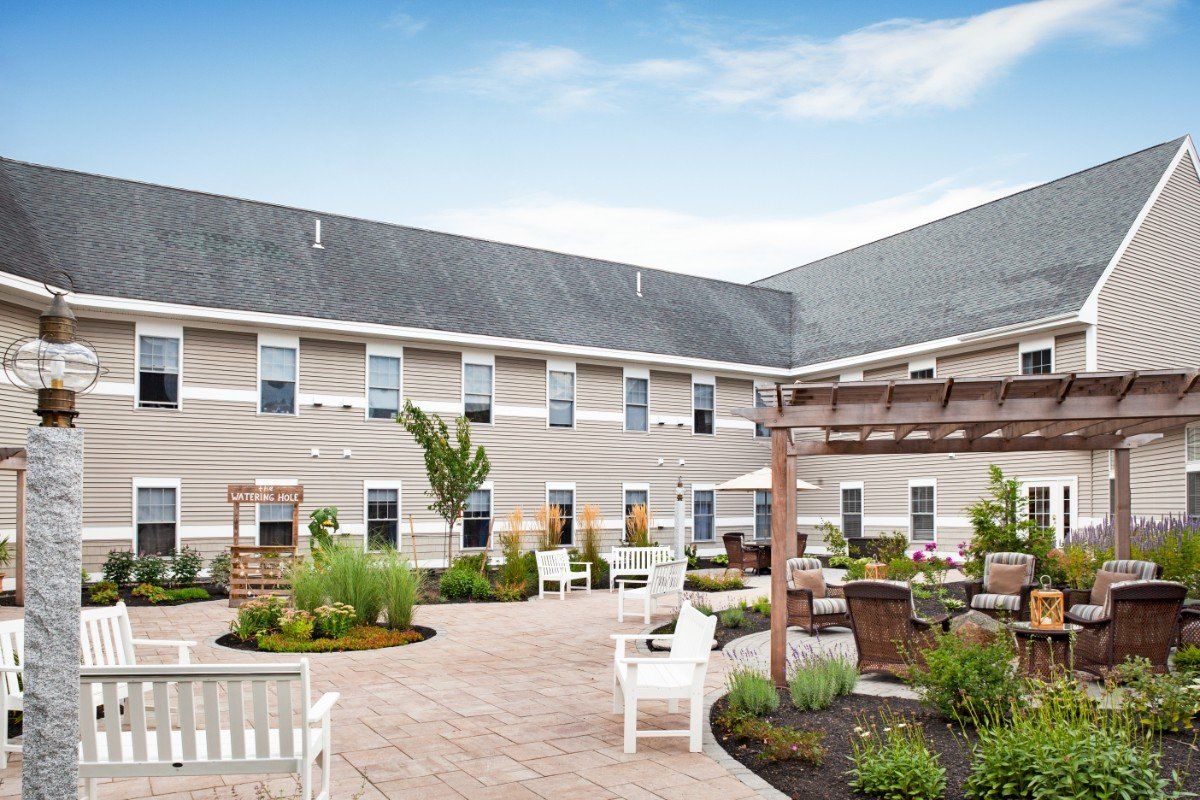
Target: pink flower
(930,547)
(918,556)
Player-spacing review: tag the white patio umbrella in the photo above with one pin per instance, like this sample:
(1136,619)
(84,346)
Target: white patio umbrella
(760,481)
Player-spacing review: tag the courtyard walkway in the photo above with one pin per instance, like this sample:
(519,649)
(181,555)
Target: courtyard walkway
(508,702)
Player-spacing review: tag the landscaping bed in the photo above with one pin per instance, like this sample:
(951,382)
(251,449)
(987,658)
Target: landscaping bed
(752,621)
(364,637)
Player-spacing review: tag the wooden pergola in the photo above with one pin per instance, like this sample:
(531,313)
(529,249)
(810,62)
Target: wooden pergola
(1114,411)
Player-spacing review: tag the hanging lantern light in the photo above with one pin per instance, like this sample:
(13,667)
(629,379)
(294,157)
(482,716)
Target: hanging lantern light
(56,364)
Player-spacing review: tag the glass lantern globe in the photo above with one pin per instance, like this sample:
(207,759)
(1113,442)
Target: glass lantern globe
(40,364)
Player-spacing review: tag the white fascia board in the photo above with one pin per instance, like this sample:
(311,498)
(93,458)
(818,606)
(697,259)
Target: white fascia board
(1090,311)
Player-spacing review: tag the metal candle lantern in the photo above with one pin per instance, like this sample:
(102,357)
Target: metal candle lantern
(876,572)
(1046,607)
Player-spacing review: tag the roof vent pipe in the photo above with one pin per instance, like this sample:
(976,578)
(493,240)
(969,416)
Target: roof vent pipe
(639,284)
(317,236)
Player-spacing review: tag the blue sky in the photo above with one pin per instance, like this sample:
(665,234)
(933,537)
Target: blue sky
(726,139)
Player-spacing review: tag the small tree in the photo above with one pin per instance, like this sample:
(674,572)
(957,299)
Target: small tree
(455,468)
(1001,525)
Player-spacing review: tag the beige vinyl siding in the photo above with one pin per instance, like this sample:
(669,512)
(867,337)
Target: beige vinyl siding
(333,367)
(113,341)
(1070,353)
(520,382)
(432,375)
(992,361)
(219,359)
(892,372)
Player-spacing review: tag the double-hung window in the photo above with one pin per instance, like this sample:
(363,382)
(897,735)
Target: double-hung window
(560,390)
(762,515)
(383,517)
(157,520)
(1193,471)
(478,391)
(637,403)
(277,379)
(383,386)
(704,514)
(922,510)
(158,371)
(636,495)
(704,408)
(852,509)
(477,519)
(563,497)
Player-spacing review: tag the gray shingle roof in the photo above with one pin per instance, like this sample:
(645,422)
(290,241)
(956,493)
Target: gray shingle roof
(1031,255)
(128,239)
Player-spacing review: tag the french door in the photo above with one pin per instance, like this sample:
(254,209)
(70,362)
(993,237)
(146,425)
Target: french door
(1053,503)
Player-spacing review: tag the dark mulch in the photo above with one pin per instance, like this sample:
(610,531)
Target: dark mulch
(755,622)
(829,780)
(234,643)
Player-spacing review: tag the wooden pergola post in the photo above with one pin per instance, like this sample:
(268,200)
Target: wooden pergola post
(783,526)
(1122,503)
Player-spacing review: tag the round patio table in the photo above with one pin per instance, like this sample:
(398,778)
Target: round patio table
(1044,652)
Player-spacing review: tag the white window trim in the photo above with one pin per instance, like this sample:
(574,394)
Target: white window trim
(273,482)
(382,484)
(387,351)
(913,482)
(704,487)
(1189,466)
(164,330)
(704,379)
(1033,345)
(917,364)
(556,365)
(269,339)
(1056,484)
(482,360)
(754,514)
(851,375)
(159,483)
(634,372)
(462,534)
(759,385)
(862,512)
(565,486)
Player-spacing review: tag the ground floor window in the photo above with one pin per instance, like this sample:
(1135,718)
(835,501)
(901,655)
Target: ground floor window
(703,515)
(1193,494)
(477,519)
(633,498)
(564,499)
(157,520)
(852,511)
(275,525)
(762,515)
(383,518)
(1039,506)
(922,511)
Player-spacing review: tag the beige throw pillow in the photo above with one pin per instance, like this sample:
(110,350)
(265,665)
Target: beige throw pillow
(1104,581)
(1006,578)
(811,579)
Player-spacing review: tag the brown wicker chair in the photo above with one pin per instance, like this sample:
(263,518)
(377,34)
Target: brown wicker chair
(745,556)
(801,543)
(1141,620)
(812,614)
(888,635)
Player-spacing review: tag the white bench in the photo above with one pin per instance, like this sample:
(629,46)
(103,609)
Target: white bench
(679,676)
(271,727)
(105,639)
(665,579)
(554,566)
(635,561)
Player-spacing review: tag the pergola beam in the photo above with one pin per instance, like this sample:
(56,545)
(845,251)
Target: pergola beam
(990,444)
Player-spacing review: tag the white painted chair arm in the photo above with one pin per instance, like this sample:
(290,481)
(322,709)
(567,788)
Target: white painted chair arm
(13,668)
(642,581)
(321,710)
(667,660)
(183,646)
(628,637)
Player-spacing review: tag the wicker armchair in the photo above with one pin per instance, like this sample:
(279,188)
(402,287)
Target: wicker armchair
(745,556)
(1140,619)
(1079,601)
(888,635)
(801,543)
(812,614)
(1016,606)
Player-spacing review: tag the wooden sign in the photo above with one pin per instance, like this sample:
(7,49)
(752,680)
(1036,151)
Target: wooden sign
(265,494)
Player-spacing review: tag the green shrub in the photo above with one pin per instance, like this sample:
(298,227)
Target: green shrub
(297,625)
(462,584)
(154,594)
(511,592)
(308,585)
(712,583)
(188,593)
(816,678)
(118,567)
(335,620)
(185,567)
(362,637)
(835,540)
(1168,702)
(890,546)
(751,691)
(104,593)
(219,569)
(700,603)
(1000,524)
(151,569)
(762,605)
(351,577)
(258,616)
(734,617)
(401,586)
(967,681)
(856,568)
(901,569)
(84,578)
(892,761)
(720,560)
(1187,659)
(1066,746)
(779,742)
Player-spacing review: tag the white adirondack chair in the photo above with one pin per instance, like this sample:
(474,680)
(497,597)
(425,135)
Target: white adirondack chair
(665,579)
(679,676)
(270,726)
(105,640)
(635,561)
(554,566)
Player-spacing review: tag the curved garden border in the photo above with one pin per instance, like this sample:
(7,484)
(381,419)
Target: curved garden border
(427,632)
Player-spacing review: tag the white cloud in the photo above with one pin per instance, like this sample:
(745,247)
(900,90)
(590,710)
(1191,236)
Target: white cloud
(889,67)
(734,248)
(405,23)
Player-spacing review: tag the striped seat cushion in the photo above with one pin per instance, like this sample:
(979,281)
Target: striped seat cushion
(1087,611)
(994,602)
(1145,570)
(829,605)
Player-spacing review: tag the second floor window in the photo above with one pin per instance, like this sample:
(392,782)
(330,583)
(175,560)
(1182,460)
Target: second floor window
(561,388)
(762,515)
(477,392)
(158,372)
(1037,362)
(703,408)
(477,519)
(927,372)
(383,389)
(637,404)
(852,511)
(277,390)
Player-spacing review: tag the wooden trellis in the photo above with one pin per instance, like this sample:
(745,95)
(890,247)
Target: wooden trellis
(261,569)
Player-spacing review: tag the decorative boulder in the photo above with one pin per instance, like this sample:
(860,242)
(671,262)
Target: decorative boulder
(977,627)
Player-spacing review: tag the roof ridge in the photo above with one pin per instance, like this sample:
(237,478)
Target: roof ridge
(204,193)
(1178,141)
